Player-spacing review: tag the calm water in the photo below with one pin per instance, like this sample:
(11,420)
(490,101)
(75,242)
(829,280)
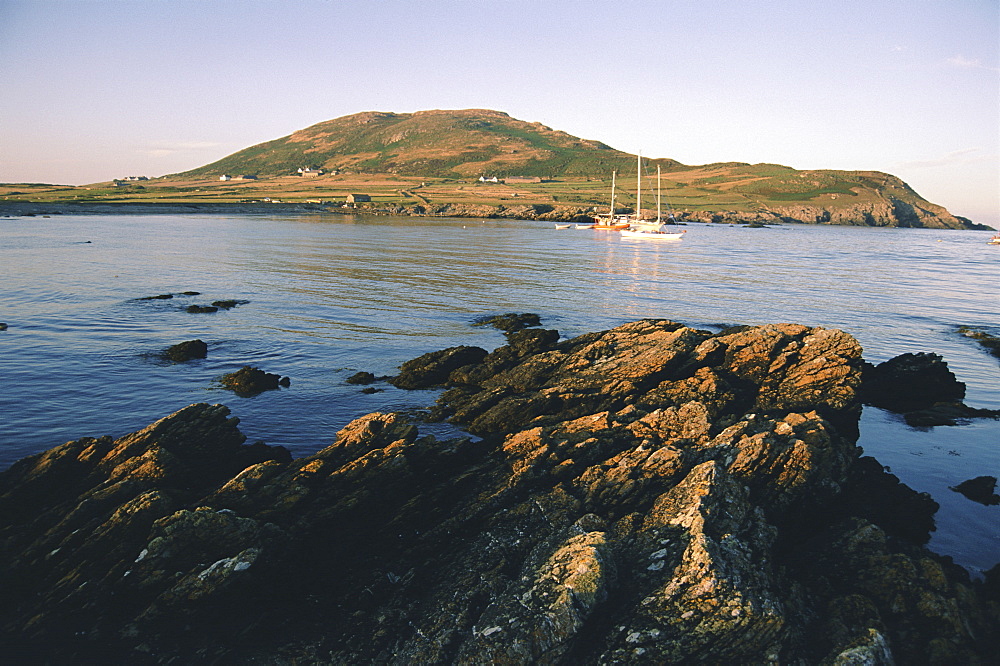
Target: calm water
(331,295)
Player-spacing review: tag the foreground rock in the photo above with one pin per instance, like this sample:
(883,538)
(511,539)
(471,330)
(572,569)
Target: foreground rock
(649,494)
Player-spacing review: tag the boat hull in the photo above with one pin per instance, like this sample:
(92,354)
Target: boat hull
(653,235)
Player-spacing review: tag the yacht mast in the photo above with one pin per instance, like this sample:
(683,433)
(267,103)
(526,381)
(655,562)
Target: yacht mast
(658,194)
(638,187)
(611,213)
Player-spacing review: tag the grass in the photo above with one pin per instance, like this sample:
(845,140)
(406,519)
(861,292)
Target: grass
(681,190)
(714,187)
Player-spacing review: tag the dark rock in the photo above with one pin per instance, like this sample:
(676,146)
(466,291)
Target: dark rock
(197,309)
(229,303)
(980,489)
(509,322)
(3,327)
(191,293)
(874,494)
(186,351)
(249,381)
(161,297)
(361,378)
(991,583)
(649,494)
(371,389)
(911,382)
(432,369)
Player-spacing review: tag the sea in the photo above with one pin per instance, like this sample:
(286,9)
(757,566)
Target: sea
(327,295)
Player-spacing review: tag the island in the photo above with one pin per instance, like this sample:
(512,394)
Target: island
(482,163)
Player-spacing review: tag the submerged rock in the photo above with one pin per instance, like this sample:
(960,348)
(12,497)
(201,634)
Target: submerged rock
(229,303)
(990,342)
(361,377)
(198,309)
(249,381)
(510,321)
(186,351)
(648,494)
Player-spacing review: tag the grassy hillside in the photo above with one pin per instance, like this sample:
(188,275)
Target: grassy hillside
(432,144)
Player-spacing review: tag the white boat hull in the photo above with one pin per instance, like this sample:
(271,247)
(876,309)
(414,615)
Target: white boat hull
(652,235)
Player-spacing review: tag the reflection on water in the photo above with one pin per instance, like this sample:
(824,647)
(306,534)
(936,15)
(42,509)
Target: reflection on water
(330,295)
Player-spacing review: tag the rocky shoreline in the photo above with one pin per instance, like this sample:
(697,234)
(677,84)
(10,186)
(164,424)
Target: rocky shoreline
(880,214)
(648,494)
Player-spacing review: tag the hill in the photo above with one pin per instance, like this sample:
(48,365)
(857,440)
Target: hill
(443,144)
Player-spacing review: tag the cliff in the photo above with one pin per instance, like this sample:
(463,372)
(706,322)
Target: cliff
(647,494)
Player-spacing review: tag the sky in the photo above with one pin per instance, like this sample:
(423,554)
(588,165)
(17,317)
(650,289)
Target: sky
(92,90)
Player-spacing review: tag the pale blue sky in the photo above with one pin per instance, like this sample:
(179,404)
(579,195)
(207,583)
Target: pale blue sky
(99,89)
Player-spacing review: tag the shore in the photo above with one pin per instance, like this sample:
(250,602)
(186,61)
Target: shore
(650,493)
(41,209)
(807,215)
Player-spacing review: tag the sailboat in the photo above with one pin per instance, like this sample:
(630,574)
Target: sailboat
(640,228)
(609,221)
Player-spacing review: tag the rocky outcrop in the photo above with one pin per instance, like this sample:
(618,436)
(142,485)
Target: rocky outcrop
(648,494)
(887,212)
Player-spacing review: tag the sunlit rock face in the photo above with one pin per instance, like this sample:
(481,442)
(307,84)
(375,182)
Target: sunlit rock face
(649,494)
